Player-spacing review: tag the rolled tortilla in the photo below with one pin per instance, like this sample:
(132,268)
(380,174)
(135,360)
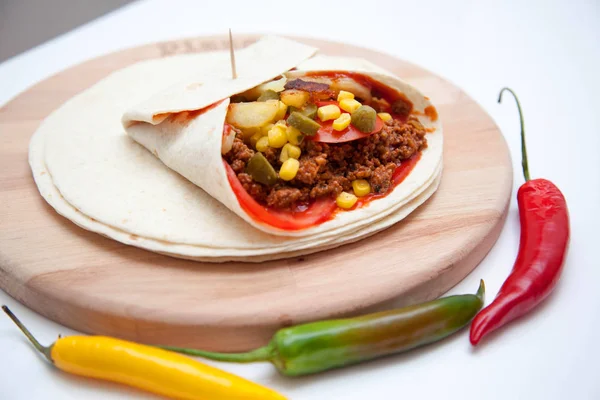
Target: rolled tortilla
(93,174)
(188,140)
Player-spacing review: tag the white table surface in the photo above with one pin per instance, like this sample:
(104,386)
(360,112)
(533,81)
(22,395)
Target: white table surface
(548,51)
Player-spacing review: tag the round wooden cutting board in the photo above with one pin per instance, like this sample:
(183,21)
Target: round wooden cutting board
(96,285)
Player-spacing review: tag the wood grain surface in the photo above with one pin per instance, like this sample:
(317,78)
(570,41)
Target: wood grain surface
(100,286)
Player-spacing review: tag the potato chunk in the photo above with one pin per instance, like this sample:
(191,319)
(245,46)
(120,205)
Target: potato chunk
(294,98)
(253,115)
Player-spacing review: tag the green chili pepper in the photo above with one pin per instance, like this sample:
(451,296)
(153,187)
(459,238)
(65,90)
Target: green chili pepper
(318,346)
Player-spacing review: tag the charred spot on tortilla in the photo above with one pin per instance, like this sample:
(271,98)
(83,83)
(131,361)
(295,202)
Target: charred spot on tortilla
(367,138)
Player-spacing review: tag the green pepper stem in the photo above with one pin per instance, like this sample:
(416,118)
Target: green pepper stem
(524,163)
(264,353)
(481,290)
(42,349)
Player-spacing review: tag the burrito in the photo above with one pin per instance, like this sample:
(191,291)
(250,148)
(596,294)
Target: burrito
(299,153)
(173,156)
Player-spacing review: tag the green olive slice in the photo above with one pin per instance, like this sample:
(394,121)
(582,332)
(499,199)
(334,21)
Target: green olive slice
(364,119)
(309,110)
(303,123)
(261,170)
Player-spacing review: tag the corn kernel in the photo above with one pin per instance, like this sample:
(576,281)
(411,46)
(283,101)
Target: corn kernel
(294,136)
(349,105)
(262,144)
(255,138)
(277,136)
(281,111)
(294,151)
(328,112)
(289,169)
(345,95)
(291,151)
(283,156)
(342,122)
(385,117)
(346,200)
(361,187)
(265,129)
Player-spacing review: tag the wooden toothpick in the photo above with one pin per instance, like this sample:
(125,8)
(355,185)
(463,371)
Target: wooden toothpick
(232,56)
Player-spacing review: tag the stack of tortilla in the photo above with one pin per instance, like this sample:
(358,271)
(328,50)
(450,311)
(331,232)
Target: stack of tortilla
(111,161)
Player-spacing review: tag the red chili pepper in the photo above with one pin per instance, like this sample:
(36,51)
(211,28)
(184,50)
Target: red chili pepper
(544,242)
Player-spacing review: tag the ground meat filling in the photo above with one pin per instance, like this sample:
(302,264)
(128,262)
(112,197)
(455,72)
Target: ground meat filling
(327,169)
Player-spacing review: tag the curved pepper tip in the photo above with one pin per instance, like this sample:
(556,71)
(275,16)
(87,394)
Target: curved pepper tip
(474,335)
(483,323)
(481,290)
(477,332)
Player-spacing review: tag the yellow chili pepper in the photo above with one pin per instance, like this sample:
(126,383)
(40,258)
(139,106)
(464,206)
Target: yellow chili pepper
(145,367)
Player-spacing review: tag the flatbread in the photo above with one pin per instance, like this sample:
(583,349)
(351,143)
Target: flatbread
(92,173)
(192,147)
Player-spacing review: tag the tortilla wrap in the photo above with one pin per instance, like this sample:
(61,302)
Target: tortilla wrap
(88,169)
(191,146)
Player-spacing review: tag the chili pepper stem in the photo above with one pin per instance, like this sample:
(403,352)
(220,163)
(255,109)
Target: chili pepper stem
(264,353)
(524,163)
(45,350)
(481,290)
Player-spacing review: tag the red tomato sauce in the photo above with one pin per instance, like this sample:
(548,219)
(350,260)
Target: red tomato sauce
(314,213)
(431,112)
(304,216)
(184,117)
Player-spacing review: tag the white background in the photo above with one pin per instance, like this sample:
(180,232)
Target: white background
(548,51)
